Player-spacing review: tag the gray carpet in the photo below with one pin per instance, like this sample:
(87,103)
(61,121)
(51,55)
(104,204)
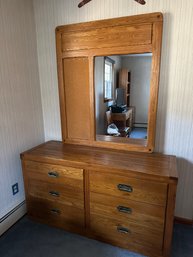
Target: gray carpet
(182,241)
(30,239)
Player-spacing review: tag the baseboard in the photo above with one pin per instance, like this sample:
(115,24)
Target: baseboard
(183,221)
(12,217)
(140,125)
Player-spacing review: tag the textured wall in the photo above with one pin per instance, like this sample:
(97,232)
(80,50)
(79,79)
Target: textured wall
(175,112)
(21,125)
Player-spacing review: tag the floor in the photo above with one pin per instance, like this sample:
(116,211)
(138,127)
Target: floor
(182,241)
(30,239)
(138,133)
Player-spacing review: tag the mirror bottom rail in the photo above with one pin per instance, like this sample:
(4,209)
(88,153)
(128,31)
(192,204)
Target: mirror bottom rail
(122,140)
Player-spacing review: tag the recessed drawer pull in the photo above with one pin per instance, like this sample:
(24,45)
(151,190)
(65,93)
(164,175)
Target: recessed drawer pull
(53,174)
(124,209)
(123,230)
(55,211)
(125,188)
(54,193)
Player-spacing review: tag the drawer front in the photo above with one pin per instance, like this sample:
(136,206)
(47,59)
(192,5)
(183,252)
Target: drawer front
(55,213)
(125,233)
(56,192)
(129,188)
(147,215)
(66,176)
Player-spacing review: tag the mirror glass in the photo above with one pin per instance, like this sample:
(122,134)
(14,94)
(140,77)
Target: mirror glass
(122,93)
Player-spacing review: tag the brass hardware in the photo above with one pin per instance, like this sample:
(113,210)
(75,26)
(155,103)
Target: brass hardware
(53,174)
(123,230)
(124,209)
(125,188)
(54,193)
(55,211)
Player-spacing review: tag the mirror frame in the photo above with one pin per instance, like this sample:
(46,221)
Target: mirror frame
(120,36)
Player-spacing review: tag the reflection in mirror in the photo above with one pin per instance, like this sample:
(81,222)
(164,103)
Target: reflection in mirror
(108,79)
(122,92)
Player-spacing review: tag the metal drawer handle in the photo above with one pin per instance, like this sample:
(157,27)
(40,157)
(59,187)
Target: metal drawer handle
(55,211)
(53,174)
(54,193)
(124,209)
(123,230)
(125,188)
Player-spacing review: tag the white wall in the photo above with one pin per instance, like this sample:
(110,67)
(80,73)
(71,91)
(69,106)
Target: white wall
(21,125)
(140,68)
(175,110)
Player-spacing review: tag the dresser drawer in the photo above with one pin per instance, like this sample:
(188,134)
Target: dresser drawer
(56,192)
(129,188)
(67,176)
(55,213)
(124,233)
(147,215)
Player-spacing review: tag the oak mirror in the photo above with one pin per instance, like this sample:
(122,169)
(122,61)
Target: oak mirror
(122,93)
(108,73)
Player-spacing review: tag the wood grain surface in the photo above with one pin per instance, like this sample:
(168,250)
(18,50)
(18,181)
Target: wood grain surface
(56,213)
(112,229)
(155,166)
(98,38)
(82,189)
(78,43)
(142,190)
(148,215)
(76,87)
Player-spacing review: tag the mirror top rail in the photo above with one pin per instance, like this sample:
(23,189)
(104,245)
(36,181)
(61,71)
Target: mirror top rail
(134,19)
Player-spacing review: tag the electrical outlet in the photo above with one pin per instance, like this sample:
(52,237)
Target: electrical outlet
(15,188)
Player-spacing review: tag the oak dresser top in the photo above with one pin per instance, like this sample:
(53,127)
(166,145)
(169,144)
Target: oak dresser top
(154,165)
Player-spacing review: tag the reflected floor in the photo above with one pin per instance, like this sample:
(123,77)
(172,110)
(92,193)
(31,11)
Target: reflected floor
(138,133)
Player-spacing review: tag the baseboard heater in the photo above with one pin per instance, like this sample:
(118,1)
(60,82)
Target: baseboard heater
(12,217)
(140,125)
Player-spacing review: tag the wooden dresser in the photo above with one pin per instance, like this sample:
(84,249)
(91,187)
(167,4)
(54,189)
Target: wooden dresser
(92,184)
(123,198)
